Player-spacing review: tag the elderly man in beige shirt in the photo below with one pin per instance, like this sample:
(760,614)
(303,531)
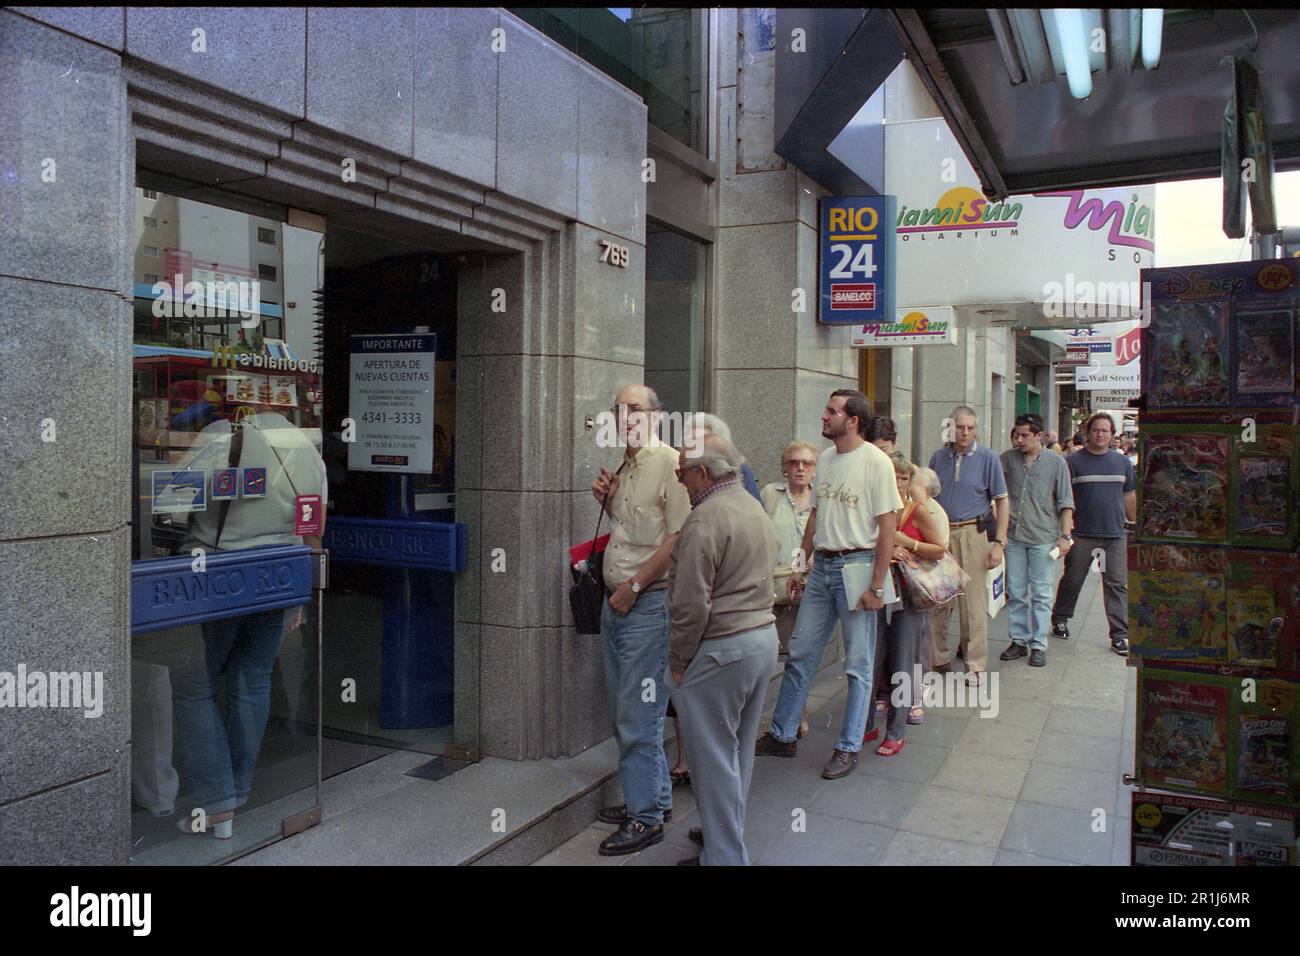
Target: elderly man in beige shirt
(647,507)
(722,641)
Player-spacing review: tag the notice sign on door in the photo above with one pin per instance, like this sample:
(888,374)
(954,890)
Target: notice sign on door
(856,272)
(390,398)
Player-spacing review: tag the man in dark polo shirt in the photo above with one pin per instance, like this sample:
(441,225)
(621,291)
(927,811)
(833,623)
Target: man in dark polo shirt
(973,485)
(1105,500)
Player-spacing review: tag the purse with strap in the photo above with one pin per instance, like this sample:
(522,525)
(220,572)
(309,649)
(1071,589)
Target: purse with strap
(587,594)
(927,583)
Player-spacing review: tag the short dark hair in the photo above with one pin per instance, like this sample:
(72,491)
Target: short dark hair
(1035,422)
(856,405)
(882,427)
(1087,428)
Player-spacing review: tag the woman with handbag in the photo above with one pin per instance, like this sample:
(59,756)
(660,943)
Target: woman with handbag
(788,504)
(922,535)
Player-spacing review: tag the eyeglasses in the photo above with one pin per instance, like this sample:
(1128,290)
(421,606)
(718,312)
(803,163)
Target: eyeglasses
(800,463)
(628,409)
(682,471)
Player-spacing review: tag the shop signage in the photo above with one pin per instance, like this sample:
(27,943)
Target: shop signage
(390,398)
(1106,377)
(1113,397)
(308,515)
(856,269)
(419,545)
(930,326)
(1075,355)
(959,247)
(167,593)
(1187,831)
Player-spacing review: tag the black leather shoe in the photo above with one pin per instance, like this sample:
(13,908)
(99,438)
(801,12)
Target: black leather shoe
(696,834)
(689,861)
(618,814)
(1060,630)
(1014,652)
(632,837)
(1037,658)
(841,764)
(769,746)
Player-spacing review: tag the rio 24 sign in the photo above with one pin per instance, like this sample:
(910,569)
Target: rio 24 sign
(856,270)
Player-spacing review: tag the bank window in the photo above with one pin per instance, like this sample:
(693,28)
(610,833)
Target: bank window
(658,53)
(675,299)
(149,193)
(151,277)
(150,222)
(150,252)
(265,272)
(266,235)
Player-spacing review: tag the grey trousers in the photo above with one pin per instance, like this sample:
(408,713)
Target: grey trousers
(720,704)
(907,631)
(1114,581)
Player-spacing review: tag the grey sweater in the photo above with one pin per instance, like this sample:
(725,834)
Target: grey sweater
(721,573)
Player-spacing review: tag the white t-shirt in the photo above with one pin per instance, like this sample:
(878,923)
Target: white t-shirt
(851,491)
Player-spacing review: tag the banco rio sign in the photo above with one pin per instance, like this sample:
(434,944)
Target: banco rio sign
(856,268)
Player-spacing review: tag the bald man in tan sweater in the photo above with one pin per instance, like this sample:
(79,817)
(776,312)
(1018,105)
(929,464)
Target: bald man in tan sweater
(722,640)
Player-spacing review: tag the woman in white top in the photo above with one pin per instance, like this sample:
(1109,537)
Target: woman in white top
(788,504)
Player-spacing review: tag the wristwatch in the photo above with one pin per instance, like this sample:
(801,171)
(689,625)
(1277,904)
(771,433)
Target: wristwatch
(878,592)
(636,586)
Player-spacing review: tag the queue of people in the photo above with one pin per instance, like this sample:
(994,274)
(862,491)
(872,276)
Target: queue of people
(710,580)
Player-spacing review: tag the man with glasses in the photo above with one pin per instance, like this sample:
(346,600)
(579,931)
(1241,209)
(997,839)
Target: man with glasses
(1105,499)
(856,505)
(1042,508)
(647,507)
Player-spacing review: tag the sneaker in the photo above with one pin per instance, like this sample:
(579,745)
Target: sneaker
(769,746)
(1120,647)
(1014,652)
(1037,658)
(1060,630)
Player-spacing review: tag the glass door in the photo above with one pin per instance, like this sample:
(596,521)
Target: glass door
(231,492)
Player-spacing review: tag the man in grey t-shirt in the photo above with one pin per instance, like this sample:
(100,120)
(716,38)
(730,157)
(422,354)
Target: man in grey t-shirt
(1042,516)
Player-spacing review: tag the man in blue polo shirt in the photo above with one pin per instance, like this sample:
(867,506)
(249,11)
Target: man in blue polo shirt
(973,486)
(1105,499)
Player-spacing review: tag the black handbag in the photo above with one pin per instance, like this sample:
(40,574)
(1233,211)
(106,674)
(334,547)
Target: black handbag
(587,594)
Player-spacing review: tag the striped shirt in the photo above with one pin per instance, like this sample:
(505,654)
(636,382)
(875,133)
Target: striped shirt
(1100,483)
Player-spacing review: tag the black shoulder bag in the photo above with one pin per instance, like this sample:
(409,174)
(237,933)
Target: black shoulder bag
(587,594)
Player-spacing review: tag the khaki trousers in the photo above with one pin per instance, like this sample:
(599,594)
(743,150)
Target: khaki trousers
(971,549)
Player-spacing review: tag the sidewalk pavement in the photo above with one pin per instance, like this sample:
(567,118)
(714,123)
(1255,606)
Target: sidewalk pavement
(1037,785)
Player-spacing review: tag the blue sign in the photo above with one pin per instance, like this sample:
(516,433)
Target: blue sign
(169,593)
(856,270)
(417,545)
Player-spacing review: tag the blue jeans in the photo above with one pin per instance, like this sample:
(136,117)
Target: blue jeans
(823,604)
(1030,576)
(636,650)
(217,757)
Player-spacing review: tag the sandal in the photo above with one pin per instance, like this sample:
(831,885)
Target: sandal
(870,735)
(680,778)
(916,716)
(889,748)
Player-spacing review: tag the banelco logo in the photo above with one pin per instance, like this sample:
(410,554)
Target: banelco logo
(57,689)
(103,909)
